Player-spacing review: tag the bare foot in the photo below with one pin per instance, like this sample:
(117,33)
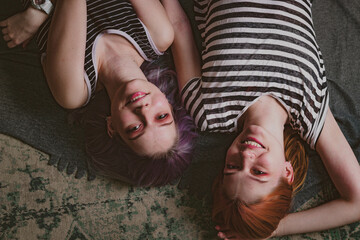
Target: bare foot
(20,28)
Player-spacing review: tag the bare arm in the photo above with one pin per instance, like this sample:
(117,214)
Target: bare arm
(64,64)
(344,170)
(185,53)
(153,15)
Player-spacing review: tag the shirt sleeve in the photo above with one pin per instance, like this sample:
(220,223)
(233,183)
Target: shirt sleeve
(192,99)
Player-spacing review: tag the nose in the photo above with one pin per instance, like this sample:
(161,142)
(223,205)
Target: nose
(144,112)
(246,158)
(248,154)
(143,106)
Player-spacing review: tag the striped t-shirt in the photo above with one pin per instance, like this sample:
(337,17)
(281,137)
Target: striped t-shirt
(253,48)
(113,17)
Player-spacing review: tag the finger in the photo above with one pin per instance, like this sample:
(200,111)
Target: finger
(224,230)
(221,228)
(3,23)
(227,234)
(230,237)
(217,227)
(221,235)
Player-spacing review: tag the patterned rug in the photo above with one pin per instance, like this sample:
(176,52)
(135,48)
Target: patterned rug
(39,202)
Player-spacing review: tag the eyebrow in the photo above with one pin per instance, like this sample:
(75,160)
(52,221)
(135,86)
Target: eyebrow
(227,174)
(136,137)
(254,178)
(143,132)
(165,124)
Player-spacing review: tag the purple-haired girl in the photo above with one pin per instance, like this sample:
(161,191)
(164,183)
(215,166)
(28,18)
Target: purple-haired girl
(96,44)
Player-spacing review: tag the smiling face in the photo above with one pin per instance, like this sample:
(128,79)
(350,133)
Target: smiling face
(255,163)
(142,116)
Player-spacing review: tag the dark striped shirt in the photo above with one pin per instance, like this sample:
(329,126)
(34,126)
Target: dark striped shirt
(253,48)
(113,17)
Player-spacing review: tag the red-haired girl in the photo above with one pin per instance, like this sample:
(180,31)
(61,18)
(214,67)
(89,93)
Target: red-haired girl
(262,71)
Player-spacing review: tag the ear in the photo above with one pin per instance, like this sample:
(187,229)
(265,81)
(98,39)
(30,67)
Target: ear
(110,128)
(289,172)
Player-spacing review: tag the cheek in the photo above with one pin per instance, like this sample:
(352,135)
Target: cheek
(232,153)
(273,163)
(230,187)
(280,156)
(161,101)
(122,119)
(234,148)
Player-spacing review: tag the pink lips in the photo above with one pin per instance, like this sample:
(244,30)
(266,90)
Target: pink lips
(136,97)
(253,140)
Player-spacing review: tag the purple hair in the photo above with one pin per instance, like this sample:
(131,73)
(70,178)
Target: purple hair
(112,157)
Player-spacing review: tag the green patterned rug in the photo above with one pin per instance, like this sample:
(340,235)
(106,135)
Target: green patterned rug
(39,202)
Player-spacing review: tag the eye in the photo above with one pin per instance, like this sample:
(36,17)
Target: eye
(228,166)
(134,128)
(258,172)
(162,116)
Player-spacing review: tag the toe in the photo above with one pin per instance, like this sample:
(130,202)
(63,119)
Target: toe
(7,38)
(5,31)
(11,44)
(3,23)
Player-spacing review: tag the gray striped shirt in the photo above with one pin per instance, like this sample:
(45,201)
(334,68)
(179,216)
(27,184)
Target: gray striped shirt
(113,17)
(253,48)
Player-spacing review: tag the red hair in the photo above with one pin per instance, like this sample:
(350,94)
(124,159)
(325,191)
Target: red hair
(251,221)
(260,219)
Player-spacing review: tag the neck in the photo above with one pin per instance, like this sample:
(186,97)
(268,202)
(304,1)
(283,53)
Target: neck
(118,73)
(268,113)
(115,69)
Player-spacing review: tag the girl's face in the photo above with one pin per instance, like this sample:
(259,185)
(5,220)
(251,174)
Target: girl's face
(143,118)
(255,163)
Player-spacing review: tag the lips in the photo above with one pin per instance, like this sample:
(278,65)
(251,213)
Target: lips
(252,143)
(136,97)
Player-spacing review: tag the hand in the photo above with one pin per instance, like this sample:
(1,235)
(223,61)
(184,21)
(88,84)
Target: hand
(227,234)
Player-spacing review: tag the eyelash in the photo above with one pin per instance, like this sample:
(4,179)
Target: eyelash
(255,171)
(134,129)
(258,172)
(231,166)
(162,116)
(137,127)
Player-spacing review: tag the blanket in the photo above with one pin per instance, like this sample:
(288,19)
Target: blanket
(29,113)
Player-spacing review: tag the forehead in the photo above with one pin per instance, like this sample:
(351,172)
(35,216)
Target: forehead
(246,188)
